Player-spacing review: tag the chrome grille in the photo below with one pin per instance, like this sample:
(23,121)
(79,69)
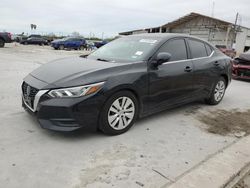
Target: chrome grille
(29,94)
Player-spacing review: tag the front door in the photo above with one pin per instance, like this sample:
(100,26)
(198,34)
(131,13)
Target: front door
(171,83)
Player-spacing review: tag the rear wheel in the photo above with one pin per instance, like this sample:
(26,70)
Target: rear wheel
(81,48)
(218,92)
(119,113)
(2,43)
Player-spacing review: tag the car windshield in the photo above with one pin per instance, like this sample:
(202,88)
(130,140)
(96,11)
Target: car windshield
(127,49)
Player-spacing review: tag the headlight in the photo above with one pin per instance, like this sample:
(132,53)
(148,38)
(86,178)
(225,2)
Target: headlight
(76,91)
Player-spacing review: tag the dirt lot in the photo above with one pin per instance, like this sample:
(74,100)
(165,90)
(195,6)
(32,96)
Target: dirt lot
(225,122)
(159,149)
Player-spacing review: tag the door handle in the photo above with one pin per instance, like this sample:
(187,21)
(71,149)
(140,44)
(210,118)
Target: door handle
(188,69)
(216,63)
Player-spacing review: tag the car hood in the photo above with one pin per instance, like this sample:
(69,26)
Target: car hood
(75,71)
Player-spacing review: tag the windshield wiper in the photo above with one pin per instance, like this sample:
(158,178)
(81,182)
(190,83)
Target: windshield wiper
(100,59)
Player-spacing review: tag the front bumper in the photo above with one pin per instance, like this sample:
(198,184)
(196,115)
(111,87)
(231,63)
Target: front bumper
(241,77)
(54,45)
(241,73)
(67,114)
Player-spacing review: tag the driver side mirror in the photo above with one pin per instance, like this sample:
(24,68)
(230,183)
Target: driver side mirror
(161,58)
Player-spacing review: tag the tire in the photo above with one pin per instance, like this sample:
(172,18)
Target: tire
(61,47)
(81,48)
(2,43)
(119,113)
(25,43)
(217,93)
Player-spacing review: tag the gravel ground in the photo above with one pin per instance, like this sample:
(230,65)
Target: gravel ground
(159,149)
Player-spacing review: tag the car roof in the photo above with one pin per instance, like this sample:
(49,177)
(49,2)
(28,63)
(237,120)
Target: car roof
(164,36)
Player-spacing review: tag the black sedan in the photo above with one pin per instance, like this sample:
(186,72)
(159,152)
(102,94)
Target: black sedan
(128,78)
(34,40)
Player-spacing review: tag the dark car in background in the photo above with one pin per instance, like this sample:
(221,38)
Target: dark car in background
(241,66)
(127,78)
(99,44)
(5,37)
(77,43)
(34,40)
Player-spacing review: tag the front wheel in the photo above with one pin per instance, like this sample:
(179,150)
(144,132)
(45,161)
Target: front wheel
(119,113)
(218,92)
(61,47)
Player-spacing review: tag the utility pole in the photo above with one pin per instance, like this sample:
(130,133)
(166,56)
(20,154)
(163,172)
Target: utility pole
(236,20)
(213,9)
(235,28)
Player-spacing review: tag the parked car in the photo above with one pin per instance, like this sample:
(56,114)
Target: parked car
(227,51)
(5,38)
(241,66)
(70,43)
(99,44)
(35,36)
(34,40)
(128,78)
(90,45)
(18,37)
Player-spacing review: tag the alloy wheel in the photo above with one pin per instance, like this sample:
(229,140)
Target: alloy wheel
(121,113)
(219,91)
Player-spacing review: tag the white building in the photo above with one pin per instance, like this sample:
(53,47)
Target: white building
(213,30)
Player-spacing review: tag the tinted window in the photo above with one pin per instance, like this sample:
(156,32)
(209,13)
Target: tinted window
(177,49)
(209,50)
(197,49)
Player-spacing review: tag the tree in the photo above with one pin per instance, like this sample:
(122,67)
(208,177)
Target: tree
(75,34)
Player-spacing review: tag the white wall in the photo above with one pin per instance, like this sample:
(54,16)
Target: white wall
(205,29)
(241,40)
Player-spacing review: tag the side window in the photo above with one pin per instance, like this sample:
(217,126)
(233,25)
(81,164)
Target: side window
(197,48)
(177,49)
(209,49)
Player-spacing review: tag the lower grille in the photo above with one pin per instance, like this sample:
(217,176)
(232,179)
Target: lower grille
(243,72)
(29,94)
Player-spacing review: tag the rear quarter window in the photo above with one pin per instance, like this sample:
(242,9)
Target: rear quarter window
(197,48)
(209,49)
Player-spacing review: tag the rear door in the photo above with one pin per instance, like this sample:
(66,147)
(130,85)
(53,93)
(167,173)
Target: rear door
(70,43)
(172,82)
(204,76)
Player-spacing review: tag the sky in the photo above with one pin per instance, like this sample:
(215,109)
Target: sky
(109,17)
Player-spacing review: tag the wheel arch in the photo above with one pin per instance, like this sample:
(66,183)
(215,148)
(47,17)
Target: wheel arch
(226,78)
(126,88)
